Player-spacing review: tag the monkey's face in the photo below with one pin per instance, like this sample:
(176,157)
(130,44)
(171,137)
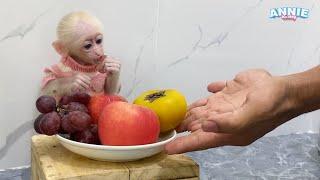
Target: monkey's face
(89,50)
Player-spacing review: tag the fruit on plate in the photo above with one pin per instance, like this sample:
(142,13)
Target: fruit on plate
(170,106)
(124,124)
(89,135)
(75,121)
(79,97)
(98,102)
(71,117)
(46,104)
(75,106)
(36,124)
(48,123)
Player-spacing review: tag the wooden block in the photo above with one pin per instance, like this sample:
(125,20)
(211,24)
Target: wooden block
(51,161)
(163,166)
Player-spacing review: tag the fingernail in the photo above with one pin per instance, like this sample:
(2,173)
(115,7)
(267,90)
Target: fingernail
(209,126)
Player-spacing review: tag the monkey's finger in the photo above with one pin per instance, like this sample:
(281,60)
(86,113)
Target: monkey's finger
(112,69)
(112,57)
(100,66)
(77,88)
(113,60)
(85,79)
(82,84)
(85,83)
(113,65)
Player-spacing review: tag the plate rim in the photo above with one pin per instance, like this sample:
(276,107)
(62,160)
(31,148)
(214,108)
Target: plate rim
(124,148)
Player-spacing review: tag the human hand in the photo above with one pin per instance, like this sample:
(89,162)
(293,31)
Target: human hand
(241,111)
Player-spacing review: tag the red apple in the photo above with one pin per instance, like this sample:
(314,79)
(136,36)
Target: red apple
(124,124)
(98,102)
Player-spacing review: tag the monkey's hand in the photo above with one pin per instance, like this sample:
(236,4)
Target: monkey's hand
(111,66)
(77,83)
(80,83)
(67,85)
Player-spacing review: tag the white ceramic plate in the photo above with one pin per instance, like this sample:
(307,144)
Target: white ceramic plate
(117,153)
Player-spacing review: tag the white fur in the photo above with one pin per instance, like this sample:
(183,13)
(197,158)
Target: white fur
(73,25)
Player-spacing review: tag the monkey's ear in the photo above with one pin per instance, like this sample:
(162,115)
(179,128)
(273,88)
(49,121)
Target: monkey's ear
(60,48)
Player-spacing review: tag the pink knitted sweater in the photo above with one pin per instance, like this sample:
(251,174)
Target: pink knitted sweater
(68,67)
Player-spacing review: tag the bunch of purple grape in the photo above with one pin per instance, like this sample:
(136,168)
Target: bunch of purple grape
(70,116)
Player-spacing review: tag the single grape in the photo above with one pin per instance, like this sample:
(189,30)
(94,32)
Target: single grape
(50,123)
(46,104)
(36,124)
(75,106)
(62,130)
(65,100)
(79,120)
(85,136)
(81,97)
(66,126)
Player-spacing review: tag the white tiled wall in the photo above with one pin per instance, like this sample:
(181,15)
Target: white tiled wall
(183,44)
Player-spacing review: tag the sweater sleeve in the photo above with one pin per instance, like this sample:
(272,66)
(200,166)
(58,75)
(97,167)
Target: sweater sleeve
(49,76)
(52,73)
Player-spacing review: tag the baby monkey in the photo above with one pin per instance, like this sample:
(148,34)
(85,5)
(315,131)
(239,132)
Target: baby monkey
(83,66)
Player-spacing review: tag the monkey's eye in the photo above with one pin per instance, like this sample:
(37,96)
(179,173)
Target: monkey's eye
(87,46)
(99,41)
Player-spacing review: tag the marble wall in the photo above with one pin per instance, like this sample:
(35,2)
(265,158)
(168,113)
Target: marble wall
(182,44)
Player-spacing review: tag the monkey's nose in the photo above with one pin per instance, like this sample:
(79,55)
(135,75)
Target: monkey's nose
(101,58)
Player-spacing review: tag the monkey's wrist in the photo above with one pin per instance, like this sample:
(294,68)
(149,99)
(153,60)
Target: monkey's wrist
(114,75)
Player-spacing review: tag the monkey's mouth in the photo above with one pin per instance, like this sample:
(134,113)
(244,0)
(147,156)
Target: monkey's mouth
(100,59)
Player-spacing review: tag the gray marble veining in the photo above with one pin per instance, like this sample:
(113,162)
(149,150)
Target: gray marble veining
(24,29)
(197,45)
(14,136)
(292,156)
(192,51)
(216,40)
(136,82)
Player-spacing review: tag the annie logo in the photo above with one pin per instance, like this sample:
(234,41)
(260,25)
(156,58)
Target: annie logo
(289,13)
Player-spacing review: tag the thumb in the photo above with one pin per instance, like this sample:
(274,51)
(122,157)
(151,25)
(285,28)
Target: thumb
(101,67)
(198,140)
(216,86)
(230,122)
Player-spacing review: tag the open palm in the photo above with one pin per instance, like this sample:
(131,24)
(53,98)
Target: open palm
(239,112)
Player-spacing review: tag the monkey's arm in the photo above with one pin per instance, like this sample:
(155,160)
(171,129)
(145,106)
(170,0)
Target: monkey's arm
(112,68)
(57,88)
(112,84)
(65,86)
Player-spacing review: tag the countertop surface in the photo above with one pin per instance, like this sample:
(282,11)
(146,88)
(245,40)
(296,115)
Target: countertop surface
(293,156)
